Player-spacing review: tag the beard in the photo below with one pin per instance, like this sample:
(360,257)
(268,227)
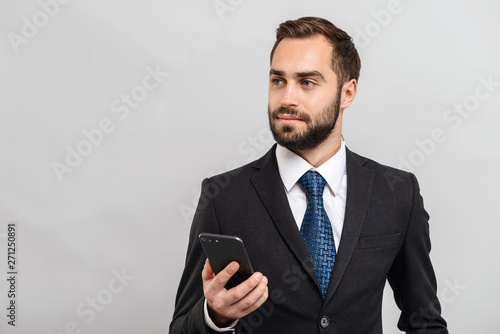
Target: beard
(316,132)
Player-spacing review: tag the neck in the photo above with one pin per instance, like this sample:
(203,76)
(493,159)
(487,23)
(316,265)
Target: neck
(327,149)
(322,153)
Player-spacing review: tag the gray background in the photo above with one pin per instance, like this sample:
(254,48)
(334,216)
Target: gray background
(128,205)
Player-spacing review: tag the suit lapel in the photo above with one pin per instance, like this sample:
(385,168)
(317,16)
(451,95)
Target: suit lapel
(359,190)
(270,189)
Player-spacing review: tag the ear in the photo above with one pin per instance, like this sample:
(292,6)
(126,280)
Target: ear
(349,90)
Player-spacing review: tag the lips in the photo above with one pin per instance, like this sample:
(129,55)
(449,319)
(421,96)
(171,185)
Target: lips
(288,117)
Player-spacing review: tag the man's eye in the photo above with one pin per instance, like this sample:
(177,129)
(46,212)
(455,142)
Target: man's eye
(277,82)
(308,83)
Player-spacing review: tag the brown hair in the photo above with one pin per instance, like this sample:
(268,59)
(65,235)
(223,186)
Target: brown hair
(345,61)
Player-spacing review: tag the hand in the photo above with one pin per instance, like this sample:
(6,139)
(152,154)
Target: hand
(225,306)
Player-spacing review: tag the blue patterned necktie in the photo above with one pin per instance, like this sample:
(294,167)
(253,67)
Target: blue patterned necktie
(316,229)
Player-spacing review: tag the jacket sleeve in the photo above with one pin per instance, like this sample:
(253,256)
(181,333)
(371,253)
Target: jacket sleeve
(412,276)
(188,314)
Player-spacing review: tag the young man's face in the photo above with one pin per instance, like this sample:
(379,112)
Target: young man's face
(304,99)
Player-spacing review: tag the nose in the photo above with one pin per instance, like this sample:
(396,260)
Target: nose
(290,97)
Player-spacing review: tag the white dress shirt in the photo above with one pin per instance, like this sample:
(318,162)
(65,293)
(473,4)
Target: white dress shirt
(291,168)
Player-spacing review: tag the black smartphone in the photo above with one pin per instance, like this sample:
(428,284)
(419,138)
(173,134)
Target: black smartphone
(222,250)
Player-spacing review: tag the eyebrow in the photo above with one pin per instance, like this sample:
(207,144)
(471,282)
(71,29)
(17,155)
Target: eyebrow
(306,74)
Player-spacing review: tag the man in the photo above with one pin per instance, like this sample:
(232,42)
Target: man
(325,226)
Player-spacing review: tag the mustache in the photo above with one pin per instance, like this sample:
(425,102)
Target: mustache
(290,111)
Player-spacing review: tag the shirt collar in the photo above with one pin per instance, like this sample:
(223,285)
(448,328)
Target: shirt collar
(291,167)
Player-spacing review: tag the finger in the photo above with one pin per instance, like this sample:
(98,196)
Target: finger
(262,299)
(244,288)
(210,271)
(258,303)
(207,272)
(254,299)
(223,277)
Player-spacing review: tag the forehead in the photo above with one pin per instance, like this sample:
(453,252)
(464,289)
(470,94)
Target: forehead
(303,54)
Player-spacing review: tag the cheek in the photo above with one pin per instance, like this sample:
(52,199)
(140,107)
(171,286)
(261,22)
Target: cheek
(321,102)
(274,100)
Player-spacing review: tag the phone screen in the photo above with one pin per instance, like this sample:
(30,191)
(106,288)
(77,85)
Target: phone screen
(222,250)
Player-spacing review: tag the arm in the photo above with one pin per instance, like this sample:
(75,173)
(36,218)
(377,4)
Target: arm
(412,276)
(188,314)
(198,280)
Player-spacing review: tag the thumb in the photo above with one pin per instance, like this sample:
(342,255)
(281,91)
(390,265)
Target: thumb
(207,273)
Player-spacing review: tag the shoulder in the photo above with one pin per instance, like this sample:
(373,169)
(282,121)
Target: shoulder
(354,159)
(393,180)
(237,177)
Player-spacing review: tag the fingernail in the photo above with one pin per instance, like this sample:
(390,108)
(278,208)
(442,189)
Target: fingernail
(233,266)
(265,280)
(258,276)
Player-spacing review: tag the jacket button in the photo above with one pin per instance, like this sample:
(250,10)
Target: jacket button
(324,322)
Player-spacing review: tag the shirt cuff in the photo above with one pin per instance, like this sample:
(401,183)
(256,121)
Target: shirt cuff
(211,324)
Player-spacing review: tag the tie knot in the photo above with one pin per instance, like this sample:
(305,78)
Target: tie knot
(313,184)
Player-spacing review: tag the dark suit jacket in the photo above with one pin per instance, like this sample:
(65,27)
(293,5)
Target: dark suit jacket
(385,236)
